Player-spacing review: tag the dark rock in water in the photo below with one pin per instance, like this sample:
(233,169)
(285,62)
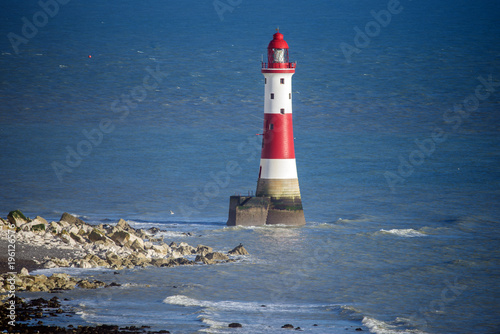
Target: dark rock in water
(113,284)
(238,250)
(217,256)
(235,325)
(68,218)
(358,329)
(288,326)
(153,230)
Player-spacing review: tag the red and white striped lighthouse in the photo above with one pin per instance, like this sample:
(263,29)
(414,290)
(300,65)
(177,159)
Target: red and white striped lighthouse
(278,171)
(277,199)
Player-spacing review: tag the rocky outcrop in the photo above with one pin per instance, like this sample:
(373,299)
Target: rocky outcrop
(58,281)
(17,218)
(116,246)
(238,250)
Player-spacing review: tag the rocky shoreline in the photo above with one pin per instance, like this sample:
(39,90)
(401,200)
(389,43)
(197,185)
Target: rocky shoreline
(70,242)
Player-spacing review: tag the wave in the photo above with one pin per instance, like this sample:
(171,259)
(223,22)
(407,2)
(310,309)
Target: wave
(190,302)
(404,232)
(225,305)
(381,327)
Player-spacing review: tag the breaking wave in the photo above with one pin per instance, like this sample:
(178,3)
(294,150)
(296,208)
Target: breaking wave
(404,232)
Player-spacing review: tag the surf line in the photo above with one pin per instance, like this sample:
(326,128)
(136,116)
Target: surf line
(106,126)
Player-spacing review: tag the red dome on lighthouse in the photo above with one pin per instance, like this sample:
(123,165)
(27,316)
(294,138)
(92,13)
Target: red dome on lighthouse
(277,55)
(278,42)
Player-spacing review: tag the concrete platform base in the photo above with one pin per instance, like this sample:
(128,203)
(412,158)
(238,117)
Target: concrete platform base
(262,210)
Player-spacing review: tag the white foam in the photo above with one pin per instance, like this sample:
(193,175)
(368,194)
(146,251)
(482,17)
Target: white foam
(242,306)
(381,327)
(68,270)
(404,232)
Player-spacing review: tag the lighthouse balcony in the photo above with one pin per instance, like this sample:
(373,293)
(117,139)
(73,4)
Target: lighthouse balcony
(278,65)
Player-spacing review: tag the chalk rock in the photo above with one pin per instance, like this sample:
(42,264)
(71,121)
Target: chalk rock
(217,256)
(81,263)
(137,245)
(85,284)
(71,220)
(64,236)
(163,249)
(204,260)
(203,250)
(95,260)
(181,262)
(17,218)
(142,234)
(113,259)
(238,250)
(120,237)
(24,272)
(77,237)
(122,225)
(160,262)
(138,259)
(174,254)
(60,262)
(96,235)
(36,225)
(49,265)
(185,249)
(54,227)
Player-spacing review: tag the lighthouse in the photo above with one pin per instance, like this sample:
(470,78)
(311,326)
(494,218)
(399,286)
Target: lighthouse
(277,199)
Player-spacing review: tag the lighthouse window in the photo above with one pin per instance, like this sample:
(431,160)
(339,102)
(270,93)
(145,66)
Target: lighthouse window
(265,81)
(272,96)
(290,96)
(271,126)
(279,55)
(282,81)
(282,110)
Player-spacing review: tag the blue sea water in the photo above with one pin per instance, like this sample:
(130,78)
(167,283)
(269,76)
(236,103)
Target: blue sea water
(397,147)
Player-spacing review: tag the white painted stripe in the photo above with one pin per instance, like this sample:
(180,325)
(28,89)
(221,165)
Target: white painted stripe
(281,93)
(278,169)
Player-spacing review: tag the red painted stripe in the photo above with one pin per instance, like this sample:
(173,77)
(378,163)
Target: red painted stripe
(278,141)
(279,70)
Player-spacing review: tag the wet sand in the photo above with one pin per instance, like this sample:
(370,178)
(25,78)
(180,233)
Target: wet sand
(25,256)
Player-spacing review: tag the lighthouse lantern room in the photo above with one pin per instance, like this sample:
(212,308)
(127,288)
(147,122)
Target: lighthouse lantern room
(277,199)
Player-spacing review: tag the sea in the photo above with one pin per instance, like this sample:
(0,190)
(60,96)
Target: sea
(150,111)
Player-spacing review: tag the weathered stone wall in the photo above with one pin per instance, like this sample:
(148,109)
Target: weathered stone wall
(248,211)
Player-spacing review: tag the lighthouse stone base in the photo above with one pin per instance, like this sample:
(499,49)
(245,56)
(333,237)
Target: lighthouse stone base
(262,210)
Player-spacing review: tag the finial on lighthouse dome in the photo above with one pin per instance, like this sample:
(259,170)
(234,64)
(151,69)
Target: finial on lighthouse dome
(277,53)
